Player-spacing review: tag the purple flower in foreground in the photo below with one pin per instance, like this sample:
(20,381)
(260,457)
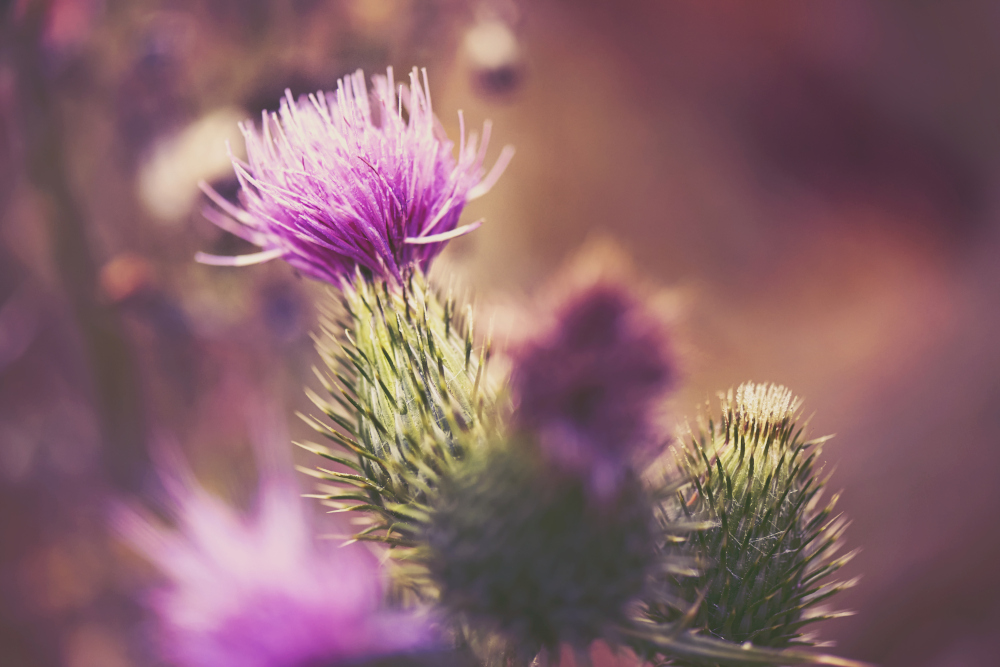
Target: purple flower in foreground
(346,179)
(258,591)
(590,386)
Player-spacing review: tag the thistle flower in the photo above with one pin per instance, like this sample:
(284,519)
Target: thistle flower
(257,591)
(765,562)
(340,180)
(591,385)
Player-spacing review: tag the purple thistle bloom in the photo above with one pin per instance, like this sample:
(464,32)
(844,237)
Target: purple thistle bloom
(347,180)
(591,385)
(258,591)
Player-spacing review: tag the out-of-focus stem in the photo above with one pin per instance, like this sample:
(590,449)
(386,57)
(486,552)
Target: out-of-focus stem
(110,360)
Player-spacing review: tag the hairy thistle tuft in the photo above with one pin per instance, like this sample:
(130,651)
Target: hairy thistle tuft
(764,564)
(351,179)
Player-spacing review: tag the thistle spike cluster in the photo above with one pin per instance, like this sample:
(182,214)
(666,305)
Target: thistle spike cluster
(409,397)
(764,563)
(520,556)
(343,180)
(474,521)
(516,551)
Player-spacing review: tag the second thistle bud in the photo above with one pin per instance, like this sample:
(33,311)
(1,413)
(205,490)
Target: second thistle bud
(527,555)
(764,564)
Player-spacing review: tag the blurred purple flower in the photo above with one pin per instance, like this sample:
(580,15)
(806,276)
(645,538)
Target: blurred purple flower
(590,386)
(258,591)
(346,179)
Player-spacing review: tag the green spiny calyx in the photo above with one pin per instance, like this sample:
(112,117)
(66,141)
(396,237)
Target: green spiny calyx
(521,550)
(409,400)
(764,563)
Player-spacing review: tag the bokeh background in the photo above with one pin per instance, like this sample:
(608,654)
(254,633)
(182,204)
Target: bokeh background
(816,183)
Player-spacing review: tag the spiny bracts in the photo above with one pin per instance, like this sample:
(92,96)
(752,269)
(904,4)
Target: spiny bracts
(519,549)
(762,567)
(408,395)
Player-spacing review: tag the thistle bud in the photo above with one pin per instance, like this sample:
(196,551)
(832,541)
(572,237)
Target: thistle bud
(764,564)
(528,556)
(590,386)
